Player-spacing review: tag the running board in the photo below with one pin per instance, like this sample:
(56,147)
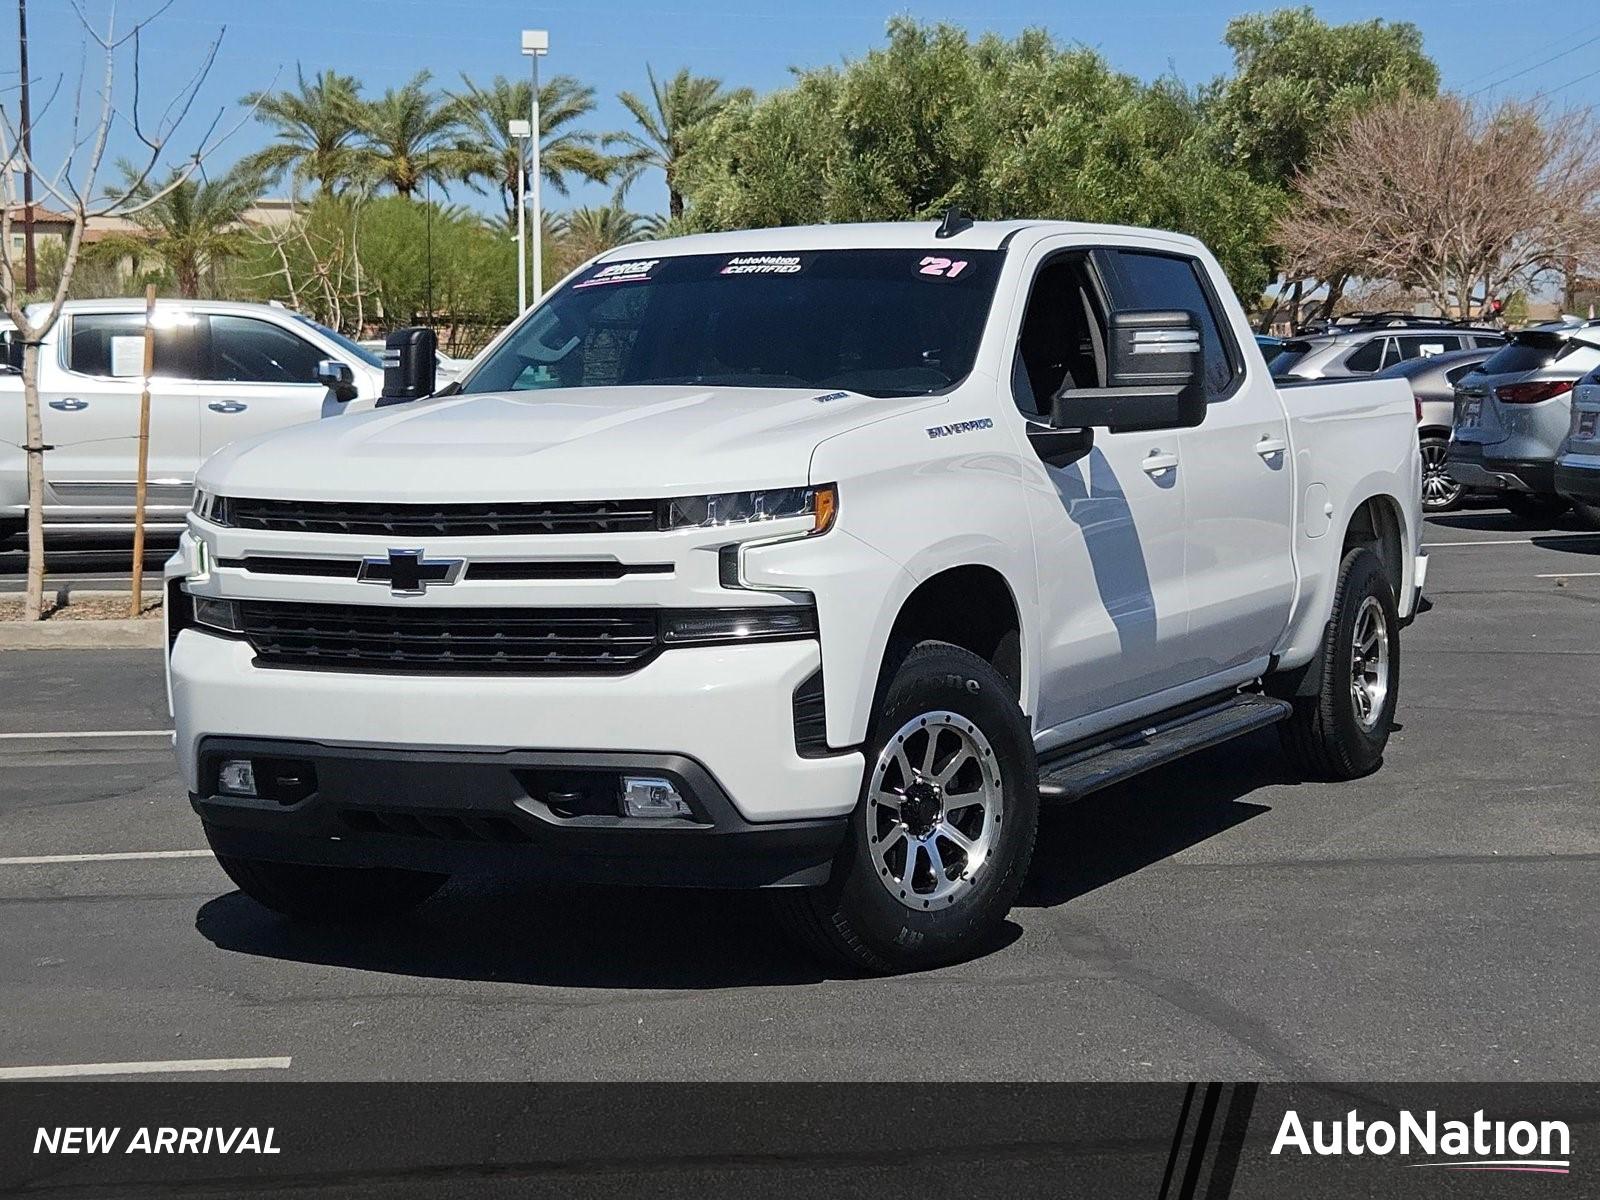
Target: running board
(1122,758)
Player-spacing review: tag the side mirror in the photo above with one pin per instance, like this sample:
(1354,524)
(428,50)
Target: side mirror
(12,360)
(410,365)
(338,378)
(1155,377)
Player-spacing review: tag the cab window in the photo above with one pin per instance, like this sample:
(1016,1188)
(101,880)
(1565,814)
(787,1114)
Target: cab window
(246,350)
(111,345)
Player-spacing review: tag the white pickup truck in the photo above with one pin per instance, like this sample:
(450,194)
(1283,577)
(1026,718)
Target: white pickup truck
(810,559)
(223,371)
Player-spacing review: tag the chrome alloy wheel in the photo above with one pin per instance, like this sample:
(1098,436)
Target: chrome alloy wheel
(934,808)
(1439,490)
(1369,663)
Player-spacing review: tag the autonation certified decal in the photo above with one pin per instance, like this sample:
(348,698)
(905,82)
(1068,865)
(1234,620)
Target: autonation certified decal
(939,431)
(1476,1145)
(763,264)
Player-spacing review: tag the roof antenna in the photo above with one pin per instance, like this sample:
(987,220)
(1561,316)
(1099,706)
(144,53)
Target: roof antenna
(954,222)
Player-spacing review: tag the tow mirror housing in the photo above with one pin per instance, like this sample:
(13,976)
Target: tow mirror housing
(338,378)
(410,365)
(1155,377)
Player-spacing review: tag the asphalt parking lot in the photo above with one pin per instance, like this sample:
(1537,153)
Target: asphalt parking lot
(1434,921)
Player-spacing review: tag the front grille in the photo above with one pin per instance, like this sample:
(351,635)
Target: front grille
(527,641)
(441,520)
(490,569)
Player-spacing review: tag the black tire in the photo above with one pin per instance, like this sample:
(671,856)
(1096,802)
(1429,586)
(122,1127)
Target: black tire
(1440,493)
(1588,515)
(330,894)
(1325,737)
(857,918)
(1535,506)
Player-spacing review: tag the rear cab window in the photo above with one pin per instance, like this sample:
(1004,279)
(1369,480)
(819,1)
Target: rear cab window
(111,345)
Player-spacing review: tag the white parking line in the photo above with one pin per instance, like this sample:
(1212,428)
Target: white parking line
(1571,575)
(1527,541)
(164,1067)
(86,733)
(39,860)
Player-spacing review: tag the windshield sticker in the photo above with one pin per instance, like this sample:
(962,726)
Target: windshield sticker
(939,431)
(762,264)
(622,272)
(941,268)
(830,397)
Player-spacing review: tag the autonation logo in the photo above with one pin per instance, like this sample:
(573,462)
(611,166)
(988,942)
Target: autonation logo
(1476,1145)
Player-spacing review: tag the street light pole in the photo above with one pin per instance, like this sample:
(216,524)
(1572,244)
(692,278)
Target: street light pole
(535,43)
(519,131)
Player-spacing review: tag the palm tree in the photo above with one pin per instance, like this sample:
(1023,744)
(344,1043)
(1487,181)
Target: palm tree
(668,123)
(316,129)
(581,233)
(495,158)
(408,135)
(191,228)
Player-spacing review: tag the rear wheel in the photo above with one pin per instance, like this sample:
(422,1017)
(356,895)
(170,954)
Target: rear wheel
(330,894)
(1440,493)
(1341,732)
(943,829)
(1535,506)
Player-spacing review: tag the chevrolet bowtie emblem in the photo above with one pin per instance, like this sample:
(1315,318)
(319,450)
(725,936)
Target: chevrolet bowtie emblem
(408,573)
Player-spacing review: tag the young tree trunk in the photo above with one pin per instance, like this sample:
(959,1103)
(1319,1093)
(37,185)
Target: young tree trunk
(33,601)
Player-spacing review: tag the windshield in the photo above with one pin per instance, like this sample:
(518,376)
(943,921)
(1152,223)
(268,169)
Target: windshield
(355,348)
(881,322)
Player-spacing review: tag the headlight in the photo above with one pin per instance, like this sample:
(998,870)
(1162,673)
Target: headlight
(821,504)
(687,627)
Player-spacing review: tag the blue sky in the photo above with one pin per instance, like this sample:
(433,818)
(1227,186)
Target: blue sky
(747,42)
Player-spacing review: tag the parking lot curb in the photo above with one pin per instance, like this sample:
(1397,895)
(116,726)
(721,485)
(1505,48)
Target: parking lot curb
(81,635)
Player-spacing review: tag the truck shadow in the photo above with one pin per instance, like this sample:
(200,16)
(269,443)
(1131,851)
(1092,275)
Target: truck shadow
(494,930)
(1113,834)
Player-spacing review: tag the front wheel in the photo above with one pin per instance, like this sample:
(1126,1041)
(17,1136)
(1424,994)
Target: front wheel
(1341,732)
(1440,493)
(943,830)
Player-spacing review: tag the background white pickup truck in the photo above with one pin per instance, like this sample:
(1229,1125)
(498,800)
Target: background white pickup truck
(805,558)
(222,371)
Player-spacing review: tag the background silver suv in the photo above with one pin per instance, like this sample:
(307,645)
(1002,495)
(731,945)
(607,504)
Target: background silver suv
(1365,343)
(1515,411)
(1433,383)
(1578,466)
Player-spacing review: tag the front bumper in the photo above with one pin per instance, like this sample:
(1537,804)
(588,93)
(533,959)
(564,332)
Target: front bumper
(728,708)
(1469,465)
(451,811)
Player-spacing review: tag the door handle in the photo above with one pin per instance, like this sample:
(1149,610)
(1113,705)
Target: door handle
(1156,463)
(1269,445)
(227,406)
(69,404)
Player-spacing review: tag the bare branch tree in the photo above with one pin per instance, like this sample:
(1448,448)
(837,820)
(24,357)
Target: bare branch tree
(76,190)
(1465,205)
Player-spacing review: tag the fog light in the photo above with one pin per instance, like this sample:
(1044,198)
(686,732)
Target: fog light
(237,777)
(651,796)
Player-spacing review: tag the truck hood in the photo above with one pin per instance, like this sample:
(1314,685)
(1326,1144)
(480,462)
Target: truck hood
(568,443)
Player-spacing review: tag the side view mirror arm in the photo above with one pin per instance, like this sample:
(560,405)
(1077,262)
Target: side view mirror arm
(1059,447)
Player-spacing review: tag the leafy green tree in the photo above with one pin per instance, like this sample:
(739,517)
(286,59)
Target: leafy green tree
(668,122)
(409,138)
(581,233)
(1003,128)
(316,127)
(493,157)
(1298,79)
(192,228)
